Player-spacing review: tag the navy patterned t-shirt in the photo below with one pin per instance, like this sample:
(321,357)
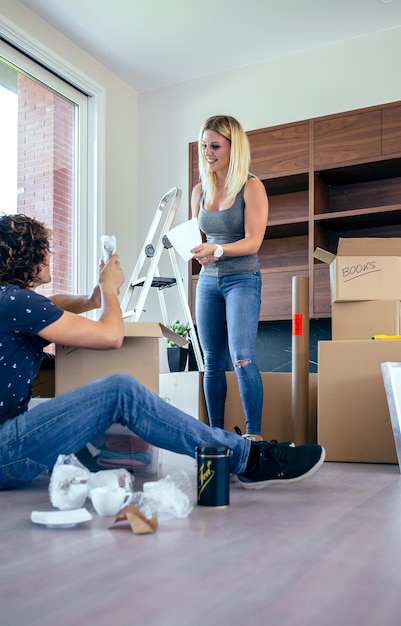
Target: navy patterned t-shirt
(23,313)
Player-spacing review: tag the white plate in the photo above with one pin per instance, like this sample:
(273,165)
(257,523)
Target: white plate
(60,519)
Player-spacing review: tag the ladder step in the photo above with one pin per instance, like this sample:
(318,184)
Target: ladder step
(160,282)
(151,254)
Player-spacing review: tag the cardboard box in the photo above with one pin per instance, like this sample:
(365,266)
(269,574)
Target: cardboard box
(364,269)
(44,384)
(138,356)
(277,406)
(353,417)
(363,320)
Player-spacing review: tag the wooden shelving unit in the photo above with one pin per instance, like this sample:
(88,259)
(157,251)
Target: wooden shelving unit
(329,177)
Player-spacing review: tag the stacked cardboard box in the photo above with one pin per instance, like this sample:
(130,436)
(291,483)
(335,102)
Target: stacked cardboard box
(365,285)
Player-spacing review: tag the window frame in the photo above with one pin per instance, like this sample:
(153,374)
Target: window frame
(24,51)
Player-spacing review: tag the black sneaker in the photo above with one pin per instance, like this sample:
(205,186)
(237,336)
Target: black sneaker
(277,463)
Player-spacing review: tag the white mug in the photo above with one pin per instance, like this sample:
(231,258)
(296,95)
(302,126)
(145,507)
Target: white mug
(109,501)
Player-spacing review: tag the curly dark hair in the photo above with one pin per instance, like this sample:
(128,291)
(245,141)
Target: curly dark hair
(24,246)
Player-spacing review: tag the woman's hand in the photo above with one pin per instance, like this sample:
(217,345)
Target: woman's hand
(207,260)
(204,253)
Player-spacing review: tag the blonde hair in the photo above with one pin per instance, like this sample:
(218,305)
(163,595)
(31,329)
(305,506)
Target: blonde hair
(240,157)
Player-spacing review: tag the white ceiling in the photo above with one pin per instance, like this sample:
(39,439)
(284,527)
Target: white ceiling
(154,43)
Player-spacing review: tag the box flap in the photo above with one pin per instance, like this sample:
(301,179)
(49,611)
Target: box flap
(324,255)
(369,246)
(152,329)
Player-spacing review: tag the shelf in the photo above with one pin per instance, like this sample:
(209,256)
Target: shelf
(289,268)
(361,172)
(286,184)
(278,230)
(361,218)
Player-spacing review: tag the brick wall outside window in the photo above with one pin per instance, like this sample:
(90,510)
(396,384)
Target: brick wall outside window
(46,172)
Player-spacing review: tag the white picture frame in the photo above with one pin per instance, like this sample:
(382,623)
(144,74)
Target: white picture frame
(392,384)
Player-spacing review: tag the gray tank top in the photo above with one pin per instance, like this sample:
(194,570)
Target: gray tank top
(225,227)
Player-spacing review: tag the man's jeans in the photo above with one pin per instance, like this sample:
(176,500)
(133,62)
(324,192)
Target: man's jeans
(31,442)
(227,316)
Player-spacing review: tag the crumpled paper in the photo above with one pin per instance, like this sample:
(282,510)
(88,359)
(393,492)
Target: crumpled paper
(140,525)
(109,246)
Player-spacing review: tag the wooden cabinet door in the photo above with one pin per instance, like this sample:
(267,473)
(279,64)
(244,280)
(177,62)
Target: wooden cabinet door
(344,138)
(282,149)
(391,130)
(277,293)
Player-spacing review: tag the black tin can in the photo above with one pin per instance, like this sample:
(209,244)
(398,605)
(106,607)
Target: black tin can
(213,475)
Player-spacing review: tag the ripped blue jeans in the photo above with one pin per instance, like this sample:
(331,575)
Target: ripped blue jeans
(227,317)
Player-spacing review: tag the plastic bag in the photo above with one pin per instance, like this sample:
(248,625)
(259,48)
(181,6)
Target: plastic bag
(112,478)
(171,497)
(68,488)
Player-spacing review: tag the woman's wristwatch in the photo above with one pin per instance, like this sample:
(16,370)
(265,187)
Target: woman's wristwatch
(218,251)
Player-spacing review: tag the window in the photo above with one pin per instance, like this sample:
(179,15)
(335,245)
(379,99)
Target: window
(45,172)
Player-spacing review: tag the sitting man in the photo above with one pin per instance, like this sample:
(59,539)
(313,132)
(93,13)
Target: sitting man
(31,440)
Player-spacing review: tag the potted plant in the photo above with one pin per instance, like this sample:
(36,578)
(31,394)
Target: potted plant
(177,355)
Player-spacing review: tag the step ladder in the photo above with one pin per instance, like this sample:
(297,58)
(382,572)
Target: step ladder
(146,272)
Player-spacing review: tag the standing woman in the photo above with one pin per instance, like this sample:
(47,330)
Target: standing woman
(232,210)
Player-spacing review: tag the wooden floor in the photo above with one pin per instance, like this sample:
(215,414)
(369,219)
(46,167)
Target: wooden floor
(323,552)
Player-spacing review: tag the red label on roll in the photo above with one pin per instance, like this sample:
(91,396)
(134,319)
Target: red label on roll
(297,324)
